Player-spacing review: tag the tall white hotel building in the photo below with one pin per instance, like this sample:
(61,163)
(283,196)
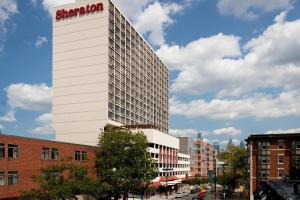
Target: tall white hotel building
(105,74)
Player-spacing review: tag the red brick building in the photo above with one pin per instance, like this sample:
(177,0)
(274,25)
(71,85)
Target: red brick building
(272,156)
(21,158)
(205,158)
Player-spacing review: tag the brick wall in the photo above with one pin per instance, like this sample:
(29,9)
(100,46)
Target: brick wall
(30,162)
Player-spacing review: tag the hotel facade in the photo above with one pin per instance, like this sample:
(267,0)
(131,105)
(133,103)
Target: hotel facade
(104,73)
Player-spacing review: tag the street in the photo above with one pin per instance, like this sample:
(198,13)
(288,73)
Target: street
(209,196)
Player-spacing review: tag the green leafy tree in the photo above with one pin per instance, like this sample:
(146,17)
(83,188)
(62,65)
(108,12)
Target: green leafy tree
(61,182)
(123,162)
(235,159)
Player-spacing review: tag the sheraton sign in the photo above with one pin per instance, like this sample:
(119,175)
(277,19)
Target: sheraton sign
(63,14)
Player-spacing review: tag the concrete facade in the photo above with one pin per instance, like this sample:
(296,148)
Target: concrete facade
(104,73)
(186,146)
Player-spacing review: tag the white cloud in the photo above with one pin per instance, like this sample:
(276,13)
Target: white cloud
(184,133)
(45,127)
(50,4)
(8,117)
(40,41)
(35,97)
(259,106)
(215,64)
(34,2)
(154,19)
(227,131)
(133,8)
(8,8)
(280,131)
(251,9)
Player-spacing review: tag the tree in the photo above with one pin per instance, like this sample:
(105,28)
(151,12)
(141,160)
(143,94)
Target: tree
(60,182)
(123,162)
(235,159)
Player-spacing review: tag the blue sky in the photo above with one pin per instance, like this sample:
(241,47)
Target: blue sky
(234,65)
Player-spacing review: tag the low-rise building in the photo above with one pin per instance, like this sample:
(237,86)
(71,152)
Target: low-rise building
(22,158)
(164,148)
(272,157)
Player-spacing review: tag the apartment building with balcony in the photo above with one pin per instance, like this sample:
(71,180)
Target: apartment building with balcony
(273,157)
(104,73)
(205,158)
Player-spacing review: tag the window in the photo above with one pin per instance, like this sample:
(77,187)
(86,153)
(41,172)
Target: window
(280,173)
(54,154)
(2,178)
(280,159)
(13,151)
(280,144)
(45,153)
(83,155)
(12,178)
(2,150)
(77,155)
(297,144)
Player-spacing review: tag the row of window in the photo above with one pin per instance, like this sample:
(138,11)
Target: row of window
(9,178)
(46,153)
(53,154)
(12,151)
(265,145)
(172,173)
(265,174)
(134,64)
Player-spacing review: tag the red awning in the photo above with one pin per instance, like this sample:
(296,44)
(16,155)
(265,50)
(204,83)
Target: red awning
(170,178)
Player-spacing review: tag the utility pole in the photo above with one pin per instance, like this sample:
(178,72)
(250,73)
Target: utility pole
(216,174)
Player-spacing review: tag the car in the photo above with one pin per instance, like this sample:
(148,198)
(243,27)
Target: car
(197,198)
(179,195)
(201,195)
(203,189)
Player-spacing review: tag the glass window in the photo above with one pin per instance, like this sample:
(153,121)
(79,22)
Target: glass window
(2,150)
(83,155)
(280,173)
(280,144)
(13,151)
(54,154)
(297,144)
(45,153)
(2,178)
(12,178)
(77,155)
(280,159)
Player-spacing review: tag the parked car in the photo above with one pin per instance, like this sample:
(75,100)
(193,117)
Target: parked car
(197,198)
(179,195)
(201,195)
(203,189)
